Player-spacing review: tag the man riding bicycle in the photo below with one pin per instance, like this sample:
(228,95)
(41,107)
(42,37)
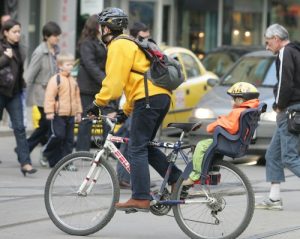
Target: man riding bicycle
(123,57)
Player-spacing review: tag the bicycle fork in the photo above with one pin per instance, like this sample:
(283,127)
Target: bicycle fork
(92,176)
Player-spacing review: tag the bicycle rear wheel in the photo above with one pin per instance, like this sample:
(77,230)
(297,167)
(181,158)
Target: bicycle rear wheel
(80,214)
(228,211)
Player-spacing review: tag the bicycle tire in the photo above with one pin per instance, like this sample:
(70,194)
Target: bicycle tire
(81,215)
(234,204)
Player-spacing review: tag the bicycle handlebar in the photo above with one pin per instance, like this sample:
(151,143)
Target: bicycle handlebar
(99,118)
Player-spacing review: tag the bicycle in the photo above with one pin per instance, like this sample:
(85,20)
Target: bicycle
(82,202)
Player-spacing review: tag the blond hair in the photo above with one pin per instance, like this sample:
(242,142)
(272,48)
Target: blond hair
(65,56)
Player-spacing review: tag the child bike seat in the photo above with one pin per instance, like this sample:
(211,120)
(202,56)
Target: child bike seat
(226,144)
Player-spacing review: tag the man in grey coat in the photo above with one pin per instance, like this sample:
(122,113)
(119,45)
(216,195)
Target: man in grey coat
(41,67)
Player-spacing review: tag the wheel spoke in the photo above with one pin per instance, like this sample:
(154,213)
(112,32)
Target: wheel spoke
(228,210)
(80,214)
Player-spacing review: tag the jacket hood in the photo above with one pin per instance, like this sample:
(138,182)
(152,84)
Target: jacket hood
(295,45)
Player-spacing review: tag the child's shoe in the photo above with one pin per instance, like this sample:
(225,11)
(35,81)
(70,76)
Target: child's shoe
(187,182)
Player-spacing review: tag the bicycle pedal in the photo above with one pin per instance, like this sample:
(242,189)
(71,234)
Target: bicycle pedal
(131,210)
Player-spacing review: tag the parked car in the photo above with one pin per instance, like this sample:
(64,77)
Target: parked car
(220,59)
(187,95)
(257,68)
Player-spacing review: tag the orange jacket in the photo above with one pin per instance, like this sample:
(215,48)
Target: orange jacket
(231,122)
(69,103)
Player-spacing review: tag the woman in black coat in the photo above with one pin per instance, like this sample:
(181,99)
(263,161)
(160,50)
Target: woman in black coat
(11,87)
(91,73)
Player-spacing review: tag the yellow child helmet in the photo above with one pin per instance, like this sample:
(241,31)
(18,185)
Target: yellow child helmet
(244,90)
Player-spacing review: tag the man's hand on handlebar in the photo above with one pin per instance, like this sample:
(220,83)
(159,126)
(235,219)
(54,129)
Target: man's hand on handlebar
(93,110)
(121,117)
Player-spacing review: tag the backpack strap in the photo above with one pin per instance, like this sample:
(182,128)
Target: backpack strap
(58,84)
(130,38)
(146,87)
(57,95)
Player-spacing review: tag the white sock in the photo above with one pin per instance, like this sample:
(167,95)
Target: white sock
(275,192)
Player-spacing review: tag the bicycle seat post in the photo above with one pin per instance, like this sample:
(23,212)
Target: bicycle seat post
(181,136)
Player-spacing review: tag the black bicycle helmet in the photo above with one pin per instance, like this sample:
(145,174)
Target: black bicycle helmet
(243,90)
(114,18)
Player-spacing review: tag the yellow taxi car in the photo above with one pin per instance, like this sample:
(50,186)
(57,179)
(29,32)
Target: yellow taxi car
(184,98)
(188,94)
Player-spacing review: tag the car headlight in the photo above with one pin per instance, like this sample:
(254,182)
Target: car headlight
(204,113)
(268,116)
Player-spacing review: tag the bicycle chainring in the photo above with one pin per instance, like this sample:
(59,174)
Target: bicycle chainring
(160,209)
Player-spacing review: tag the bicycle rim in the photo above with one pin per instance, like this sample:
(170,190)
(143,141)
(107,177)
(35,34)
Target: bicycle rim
(80,215)
(232,208)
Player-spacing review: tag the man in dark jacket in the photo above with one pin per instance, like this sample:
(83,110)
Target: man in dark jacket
(283,149)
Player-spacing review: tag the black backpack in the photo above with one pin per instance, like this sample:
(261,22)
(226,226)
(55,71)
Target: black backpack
(164,71)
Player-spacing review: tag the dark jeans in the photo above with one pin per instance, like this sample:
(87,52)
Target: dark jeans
(14,107)
(283,150)
(84,131)
(40,134)
(61,140)
(145,123)
(124,131)
(83,142)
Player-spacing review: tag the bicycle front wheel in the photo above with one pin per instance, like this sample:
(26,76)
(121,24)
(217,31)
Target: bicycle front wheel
(221,208)
(81,214)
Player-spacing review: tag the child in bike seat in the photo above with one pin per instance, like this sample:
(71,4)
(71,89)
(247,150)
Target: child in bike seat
(245,95)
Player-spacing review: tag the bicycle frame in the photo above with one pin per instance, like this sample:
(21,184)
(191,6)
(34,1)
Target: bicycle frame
(109,147)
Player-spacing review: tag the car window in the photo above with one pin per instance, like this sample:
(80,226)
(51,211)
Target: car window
(253,70)
(190,65)
(218,63)
(270,79)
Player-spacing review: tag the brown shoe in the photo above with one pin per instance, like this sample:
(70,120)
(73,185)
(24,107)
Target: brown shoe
(141,205)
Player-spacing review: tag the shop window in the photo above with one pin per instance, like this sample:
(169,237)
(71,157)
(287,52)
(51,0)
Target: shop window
(286,13)
(197,30)
(142,12)
(242,21)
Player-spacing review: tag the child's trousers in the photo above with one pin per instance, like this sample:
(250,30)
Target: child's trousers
(198,155)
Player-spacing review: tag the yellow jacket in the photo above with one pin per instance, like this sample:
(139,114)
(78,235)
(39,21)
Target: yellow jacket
(69,103)
(122,56)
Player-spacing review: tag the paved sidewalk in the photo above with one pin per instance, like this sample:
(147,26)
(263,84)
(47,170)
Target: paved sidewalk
(23,214)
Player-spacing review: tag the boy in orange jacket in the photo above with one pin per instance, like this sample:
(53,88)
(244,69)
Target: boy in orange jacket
(62,106)
(245,96)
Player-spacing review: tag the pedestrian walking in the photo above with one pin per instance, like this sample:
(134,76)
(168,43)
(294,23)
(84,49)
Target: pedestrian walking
(62,107)
(41,67)
(12,85)
(92,53)
(123,56)
(283,149)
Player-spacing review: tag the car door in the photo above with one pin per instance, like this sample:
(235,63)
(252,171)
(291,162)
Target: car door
(187,95)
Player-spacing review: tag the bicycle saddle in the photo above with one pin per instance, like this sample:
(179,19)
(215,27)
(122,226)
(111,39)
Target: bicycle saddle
(186,127)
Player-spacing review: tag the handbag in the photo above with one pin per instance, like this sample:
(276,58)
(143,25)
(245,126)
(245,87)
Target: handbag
(294,121)
(6,77)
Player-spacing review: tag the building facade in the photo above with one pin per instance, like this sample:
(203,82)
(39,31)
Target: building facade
(199,25)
